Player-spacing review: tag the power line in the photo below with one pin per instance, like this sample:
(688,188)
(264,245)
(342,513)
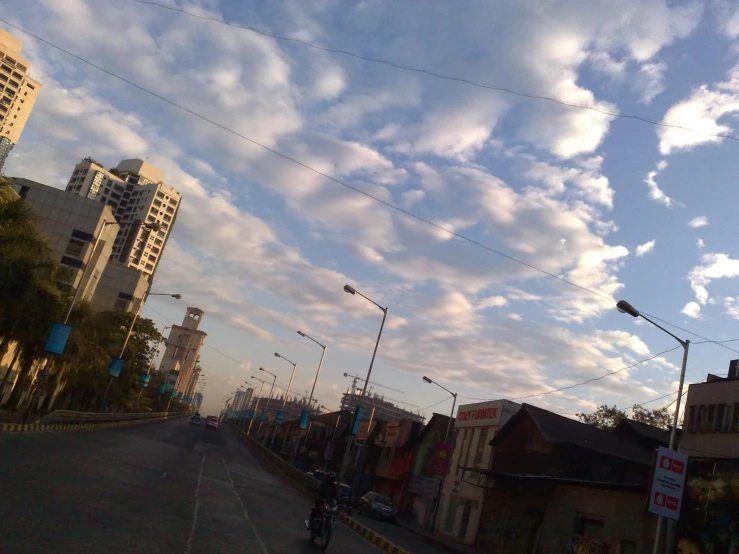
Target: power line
(438,75)
(335,180)
(705,339)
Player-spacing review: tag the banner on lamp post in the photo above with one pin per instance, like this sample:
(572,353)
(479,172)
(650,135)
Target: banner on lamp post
(58,337)
(145,378)
(116,366)
(355,422)
(304,419)
(279,417)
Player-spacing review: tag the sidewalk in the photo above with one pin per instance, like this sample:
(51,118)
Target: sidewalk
(441,541)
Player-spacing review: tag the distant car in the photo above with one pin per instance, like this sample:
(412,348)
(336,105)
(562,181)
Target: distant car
(378,505)
(346,498)
(195,420)
(211,422)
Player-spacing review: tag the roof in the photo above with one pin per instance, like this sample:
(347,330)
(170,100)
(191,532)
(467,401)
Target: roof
(558,429)
(437,421)
(645,430)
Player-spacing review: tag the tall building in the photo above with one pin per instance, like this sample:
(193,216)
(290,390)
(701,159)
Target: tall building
(375,406)
(18,93)
(136,192)
(242,399)
(197,401)
(71,224)
(183,351)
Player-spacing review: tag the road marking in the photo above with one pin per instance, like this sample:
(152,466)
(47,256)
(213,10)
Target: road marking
(188,547)
(164,475)
(246,514)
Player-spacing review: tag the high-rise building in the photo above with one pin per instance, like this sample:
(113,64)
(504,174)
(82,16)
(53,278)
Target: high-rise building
(180,360)
(18,93)
(72,224)
(197,401)
(242,399)
(136,192)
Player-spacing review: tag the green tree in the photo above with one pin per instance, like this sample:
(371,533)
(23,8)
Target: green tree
(607,417)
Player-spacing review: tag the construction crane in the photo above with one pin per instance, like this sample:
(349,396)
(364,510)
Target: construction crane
(356,378)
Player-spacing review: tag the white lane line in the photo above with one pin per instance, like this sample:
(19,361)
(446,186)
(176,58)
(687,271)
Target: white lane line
(188,547)
(164,475)
(246,514)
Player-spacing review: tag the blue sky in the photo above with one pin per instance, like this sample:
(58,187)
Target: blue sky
(264,246)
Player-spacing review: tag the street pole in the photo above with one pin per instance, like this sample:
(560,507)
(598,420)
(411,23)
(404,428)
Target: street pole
(312,390)
(256,407)
(350,442)
(266,407)
(626,308)
(284,400)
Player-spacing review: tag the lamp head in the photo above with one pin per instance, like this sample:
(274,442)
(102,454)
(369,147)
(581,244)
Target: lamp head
(177,296)
(349,289)
(427,379)
(301,333)
(626,308)
(277,355)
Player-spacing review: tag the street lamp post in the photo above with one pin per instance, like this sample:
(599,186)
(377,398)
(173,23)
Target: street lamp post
(130,332)
(256,405)
(454,404)
(315,380)
(284,400)
(151,362)
(266,408)
(626,308)
(351,290)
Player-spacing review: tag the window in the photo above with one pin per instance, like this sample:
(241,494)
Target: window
(29,85)
(480,447)
(150,267)
(167,217)
(17,75)
(590,526)
(72,262)
(12,83)
(120,304)
(74,248)
(160,194)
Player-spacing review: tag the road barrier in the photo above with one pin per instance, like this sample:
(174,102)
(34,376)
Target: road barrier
(308,485)
(65,420)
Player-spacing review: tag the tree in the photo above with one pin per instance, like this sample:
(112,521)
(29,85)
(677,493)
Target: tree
(607,417)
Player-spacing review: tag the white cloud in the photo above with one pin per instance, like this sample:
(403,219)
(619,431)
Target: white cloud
(713,266)
(700,243)
(692,309)
(731,306)
(700,112)
(491,302)
(655,193)
(700,221)
(650,81)
(645,248)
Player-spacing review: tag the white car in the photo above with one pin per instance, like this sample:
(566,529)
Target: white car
(211,422)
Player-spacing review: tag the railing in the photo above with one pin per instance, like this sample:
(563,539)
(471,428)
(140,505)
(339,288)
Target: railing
(67,416)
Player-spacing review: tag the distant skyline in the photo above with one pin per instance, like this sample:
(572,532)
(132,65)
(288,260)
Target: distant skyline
(623,208)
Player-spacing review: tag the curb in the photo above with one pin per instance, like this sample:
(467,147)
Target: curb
(57,427)
(371,536)
(365,532)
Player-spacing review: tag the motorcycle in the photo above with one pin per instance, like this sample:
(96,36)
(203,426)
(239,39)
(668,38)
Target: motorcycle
(322,527)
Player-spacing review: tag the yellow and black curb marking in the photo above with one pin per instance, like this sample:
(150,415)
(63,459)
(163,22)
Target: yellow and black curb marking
(55,427)
(368,534)
(365,532)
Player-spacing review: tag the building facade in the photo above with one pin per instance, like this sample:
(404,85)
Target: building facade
(180,360)
(18,93)
(462,496)
(136,192)
(376,406)
(120,288)
(242,400)
(71,224)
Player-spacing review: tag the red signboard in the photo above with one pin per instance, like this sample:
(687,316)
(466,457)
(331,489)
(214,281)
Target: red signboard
(442,458)
(668,483)
(485,413)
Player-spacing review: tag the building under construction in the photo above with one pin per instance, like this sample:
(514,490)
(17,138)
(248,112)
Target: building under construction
(383,409)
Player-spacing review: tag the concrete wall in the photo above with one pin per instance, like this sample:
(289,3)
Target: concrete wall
(711,420)
(120,287)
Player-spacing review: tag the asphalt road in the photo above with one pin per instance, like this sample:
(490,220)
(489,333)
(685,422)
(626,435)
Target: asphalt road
(404,538)
(151,488)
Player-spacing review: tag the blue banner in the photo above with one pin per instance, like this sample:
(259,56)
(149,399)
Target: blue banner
(304,419)
(162,388)
(116,366)
(145,378)
(279,417)
(254,414)
(179,395)
(57,341)
(264,416)
(355,422)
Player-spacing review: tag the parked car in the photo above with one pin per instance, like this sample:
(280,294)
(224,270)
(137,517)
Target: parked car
(195,420)
(211,422)
(346,498)
(378,505)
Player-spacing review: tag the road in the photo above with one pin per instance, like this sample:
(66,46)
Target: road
(150,488)
(404,538)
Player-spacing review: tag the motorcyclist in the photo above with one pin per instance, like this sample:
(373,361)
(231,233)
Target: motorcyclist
(326,492)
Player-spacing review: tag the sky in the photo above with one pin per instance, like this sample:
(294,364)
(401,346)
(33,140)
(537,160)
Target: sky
(264,245)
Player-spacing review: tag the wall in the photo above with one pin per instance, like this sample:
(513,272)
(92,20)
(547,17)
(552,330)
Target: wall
(120,288)
(533,516)
(718,437)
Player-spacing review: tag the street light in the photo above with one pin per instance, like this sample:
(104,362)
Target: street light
(320,364)
(626,308)
(454,404)
(351,290)
(130,332)
(256,405)
(266,408)
(287,393)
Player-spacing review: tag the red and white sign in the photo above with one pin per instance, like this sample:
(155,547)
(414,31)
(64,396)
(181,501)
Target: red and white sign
(479,415)
(668,483)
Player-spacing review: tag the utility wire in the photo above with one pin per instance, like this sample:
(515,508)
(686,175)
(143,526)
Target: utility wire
(334,179)
(440,75)
(705,339)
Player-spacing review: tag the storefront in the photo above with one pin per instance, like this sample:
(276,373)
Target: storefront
(462,493)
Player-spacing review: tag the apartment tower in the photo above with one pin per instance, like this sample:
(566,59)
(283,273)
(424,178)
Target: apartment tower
(18,93)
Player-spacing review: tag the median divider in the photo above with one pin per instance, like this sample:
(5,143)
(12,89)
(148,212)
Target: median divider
(65,420)
(307,485)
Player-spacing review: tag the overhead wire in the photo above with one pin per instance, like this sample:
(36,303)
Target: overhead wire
(375,198)
(330,177)
(438,75)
